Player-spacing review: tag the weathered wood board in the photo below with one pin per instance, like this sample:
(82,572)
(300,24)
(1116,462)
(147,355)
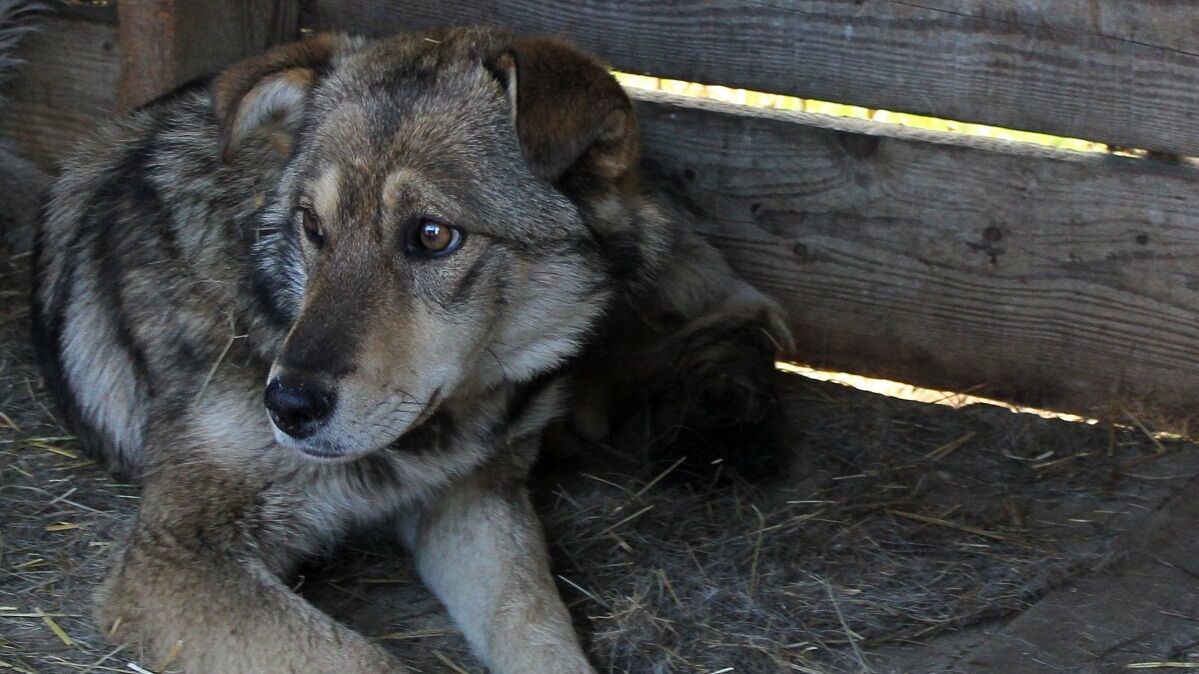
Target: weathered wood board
(67,87)
(74,77)
(165,43)
(1051,278)
(1170,24)
(1108,70)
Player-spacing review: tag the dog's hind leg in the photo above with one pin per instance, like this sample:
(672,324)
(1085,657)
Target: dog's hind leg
(196,586)
(480,548)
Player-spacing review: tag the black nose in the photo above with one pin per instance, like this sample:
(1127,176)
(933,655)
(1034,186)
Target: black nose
(297,410)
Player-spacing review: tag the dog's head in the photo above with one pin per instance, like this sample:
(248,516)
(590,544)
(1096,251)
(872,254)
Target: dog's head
(436,220)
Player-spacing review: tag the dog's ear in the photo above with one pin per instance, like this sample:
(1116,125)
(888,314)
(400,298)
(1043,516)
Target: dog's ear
(569,110)
(271,87)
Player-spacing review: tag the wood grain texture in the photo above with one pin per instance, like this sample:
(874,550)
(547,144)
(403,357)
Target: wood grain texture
(1170,24)
(165,43)
(149,50)
(67,86)
(1039,276)
(1117,71)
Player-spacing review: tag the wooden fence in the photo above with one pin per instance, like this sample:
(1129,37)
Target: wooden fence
(1050,278)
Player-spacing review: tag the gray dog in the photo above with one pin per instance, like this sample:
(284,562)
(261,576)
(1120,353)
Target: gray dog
(350,283)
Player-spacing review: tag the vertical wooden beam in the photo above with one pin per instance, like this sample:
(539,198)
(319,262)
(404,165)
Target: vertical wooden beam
(146,33)
(165,43)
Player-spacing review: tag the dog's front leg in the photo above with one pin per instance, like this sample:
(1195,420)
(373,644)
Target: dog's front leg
(480,549)
(195,586)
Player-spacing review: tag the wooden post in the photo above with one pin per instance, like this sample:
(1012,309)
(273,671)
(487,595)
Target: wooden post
(165,43)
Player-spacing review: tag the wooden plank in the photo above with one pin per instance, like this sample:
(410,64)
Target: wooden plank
(1126,78)
(1045,277)
(1170,24)
(149,62)
(67,86)
(165,43)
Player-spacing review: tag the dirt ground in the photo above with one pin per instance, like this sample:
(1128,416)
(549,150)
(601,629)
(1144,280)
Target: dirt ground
(902,537)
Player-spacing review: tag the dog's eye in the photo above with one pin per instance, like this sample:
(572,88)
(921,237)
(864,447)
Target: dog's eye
(430,238)
(311,225)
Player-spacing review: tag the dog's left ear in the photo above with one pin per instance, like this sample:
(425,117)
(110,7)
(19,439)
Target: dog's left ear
(569,110)
(271,87)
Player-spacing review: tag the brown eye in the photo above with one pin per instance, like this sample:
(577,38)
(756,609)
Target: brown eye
(435,237)
(431,238)
(311,225)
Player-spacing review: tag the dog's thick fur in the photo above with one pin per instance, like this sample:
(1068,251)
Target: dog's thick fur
(174,280)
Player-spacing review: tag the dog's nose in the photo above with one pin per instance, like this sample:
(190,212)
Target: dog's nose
(297,410)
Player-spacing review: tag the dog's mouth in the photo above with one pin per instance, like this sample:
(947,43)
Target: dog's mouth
(315,450)
(430,409)
(322,451)
(326,455)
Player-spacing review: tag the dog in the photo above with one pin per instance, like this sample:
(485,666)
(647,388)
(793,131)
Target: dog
(351,283)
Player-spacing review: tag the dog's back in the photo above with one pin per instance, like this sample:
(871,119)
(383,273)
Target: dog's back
(139,270)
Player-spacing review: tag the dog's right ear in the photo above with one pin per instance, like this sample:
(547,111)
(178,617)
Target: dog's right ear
(271,88)
(568,109)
